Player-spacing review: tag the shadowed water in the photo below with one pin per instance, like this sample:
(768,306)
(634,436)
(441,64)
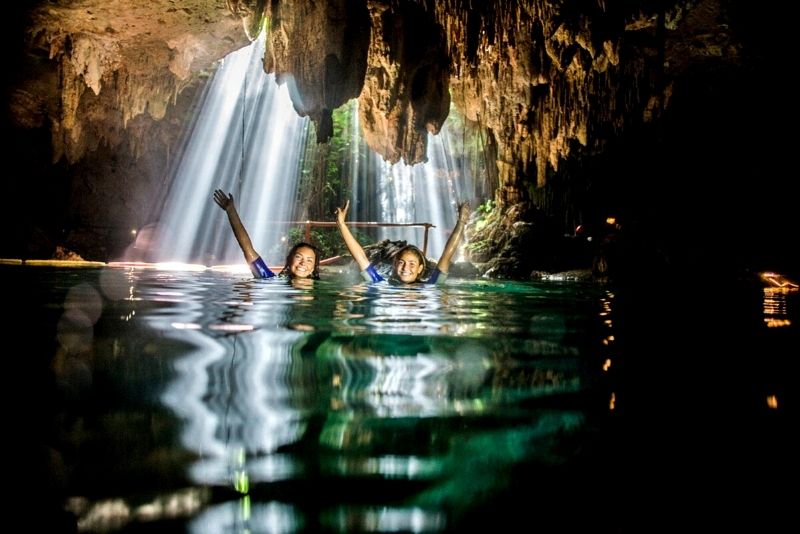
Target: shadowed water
(212,402)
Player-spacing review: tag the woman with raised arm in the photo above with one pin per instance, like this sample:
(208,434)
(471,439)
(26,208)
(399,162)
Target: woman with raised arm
(409,262)
(301,262)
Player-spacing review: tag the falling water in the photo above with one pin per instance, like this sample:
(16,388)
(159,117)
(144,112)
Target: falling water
(247,140)
(426,192)
(398,193)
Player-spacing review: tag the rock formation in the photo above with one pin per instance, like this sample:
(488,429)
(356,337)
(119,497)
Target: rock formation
(553,84)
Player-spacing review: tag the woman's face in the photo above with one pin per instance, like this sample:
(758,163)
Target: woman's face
(302,263)
(408,267)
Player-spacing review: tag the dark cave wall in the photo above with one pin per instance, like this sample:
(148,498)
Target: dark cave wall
(705,187)
(705,190)
(697,176)
(90,207)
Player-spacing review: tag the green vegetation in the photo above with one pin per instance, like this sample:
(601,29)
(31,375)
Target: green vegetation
(324,176)
(330,172)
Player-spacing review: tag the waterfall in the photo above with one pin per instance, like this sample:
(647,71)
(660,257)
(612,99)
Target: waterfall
(247,140)
(426,192)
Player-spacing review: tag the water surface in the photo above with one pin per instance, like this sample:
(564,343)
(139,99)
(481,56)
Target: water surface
(212,402)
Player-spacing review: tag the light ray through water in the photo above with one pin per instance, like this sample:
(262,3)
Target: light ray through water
(247,140)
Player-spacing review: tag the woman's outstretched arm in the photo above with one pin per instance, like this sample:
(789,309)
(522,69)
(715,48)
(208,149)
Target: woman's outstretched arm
(455,236)
(226,203)
(352,245)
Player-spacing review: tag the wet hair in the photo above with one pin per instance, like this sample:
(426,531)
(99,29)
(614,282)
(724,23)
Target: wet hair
(417,252)
(290,256)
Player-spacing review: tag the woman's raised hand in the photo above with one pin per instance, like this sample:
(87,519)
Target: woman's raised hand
(341,213)
(222,200)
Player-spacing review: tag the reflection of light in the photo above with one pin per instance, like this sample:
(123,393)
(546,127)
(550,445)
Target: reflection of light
(409,467)
(241,482)
(778,280)
(130,264)
(164,266)
(772,402)
(776,305)
(423,385)
(244,503)
(230,516)
(186,326)
(113,514)
(386,519)
(607,364)
(250,420)
(178,266)
(167,296)
(231,327)
(133,233)
(777,323)
(611,220)
(612,402)
(234,268)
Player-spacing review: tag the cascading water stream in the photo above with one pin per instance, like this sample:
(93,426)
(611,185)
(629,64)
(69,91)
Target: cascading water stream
(248,140)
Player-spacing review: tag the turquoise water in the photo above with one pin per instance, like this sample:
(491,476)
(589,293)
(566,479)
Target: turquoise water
(212,402)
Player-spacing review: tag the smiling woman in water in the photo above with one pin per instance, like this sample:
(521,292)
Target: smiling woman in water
(409,262)
(302,261)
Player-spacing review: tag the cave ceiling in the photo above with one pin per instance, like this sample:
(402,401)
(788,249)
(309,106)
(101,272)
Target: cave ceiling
(547,80)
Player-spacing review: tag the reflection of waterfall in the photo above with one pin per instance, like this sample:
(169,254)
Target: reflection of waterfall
(405,376)
(235,399)
(247,139)
(276,517)
(234,517)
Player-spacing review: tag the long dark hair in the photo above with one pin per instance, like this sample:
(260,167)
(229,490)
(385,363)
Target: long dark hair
(292,251)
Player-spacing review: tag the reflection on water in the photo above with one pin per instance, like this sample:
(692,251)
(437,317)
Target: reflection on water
(242,516)
(236,405)
(219,403)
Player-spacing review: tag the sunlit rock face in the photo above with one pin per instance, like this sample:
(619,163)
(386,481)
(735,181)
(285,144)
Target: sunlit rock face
(97,94)
(405,93)
(541,76)
(548,80)
(551,84)
(320,50)
(109,62)
(544,78)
